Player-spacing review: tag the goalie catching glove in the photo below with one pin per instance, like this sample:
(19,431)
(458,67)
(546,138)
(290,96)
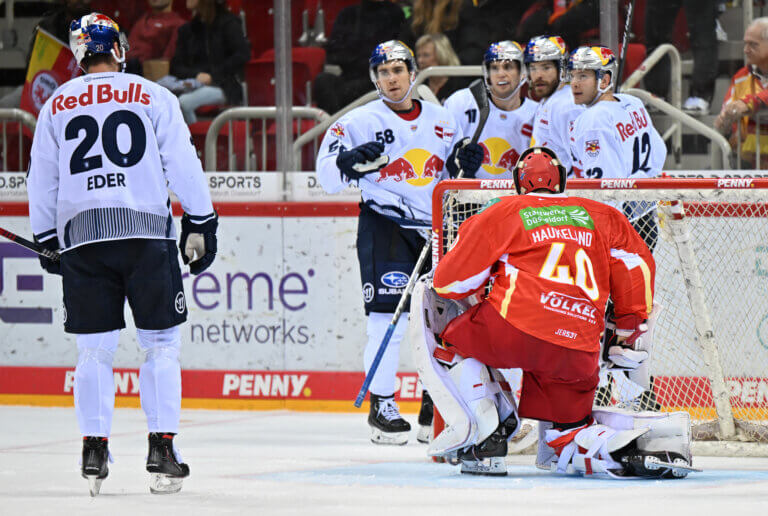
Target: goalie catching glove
(198,242)
(362,160)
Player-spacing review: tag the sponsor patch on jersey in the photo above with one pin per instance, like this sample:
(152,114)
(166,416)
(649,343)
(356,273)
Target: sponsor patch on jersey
(414,127)
(592,148)
(180,303)
(444,133)
(556,216)
(368,292)
(337,130)
(394,279)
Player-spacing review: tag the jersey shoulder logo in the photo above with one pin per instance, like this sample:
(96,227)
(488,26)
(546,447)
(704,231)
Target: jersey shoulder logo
(337,130)
(592,148)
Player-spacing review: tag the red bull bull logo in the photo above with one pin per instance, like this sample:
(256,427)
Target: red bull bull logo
(498,156)
(417,167)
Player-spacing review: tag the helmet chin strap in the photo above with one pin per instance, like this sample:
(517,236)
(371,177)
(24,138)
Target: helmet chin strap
(383,97)
(511,95)
(600,91)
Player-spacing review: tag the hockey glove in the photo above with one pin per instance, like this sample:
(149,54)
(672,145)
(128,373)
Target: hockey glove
(362,160)
(198,243)
(52,266)
(465,156)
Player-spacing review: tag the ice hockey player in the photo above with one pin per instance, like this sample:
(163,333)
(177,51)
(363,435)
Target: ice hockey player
(614,137)
(554,261)
(508,130)
(394,150)
(106,148)
(547,58)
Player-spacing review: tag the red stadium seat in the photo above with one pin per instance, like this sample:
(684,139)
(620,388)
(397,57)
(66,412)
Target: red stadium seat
(260,78)
(313,57)
(199,131)
(9,155)
(260,25)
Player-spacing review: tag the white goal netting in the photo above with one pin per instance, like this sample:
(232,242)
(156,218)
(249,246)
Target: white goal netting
(710,241)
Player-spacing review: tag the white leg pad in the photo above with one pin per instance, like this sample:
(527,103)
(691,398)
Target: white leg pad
(95,382)
(160,378)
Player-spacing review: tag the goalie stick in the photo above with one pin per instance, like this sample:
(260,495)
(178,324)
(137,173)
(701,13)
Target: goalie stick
(32,246)
(625,42)
(479,93)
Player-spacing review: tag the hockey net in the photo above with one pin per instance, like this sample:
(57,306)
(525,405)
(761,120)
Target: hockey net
(710,355)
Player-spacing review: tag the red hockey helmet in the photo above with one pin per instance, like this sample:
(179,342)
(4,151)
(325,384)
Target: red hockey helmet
(539,167)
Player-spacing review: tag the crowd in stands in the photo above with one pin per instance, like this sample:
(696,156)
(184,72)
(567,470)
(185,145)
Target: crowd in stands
(219,52)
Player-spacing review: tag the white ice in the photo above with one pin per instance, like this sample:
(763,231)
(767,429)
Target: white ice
(283,462)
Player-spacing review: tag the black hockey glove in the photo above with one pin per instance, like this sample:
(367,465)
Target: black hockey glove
(465,156)
(198,243)
(52,266)
(362,160)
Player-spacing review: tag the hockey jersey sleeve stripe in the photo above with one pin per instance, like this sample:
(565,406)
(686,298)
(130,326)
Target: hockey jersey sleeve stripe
(511,272)
(45,235)
(467,285)
(200,219)
(632,260)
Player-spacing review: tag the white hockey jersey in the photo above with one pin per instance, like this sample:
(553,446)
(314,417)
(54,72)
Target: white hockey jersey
(417,152)
(617,140)
(106,149)
(552,123)
(505,136)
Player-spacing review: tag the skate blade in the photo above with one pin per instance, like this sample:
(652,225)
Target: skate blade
(160,483)
(94,484)
(493,466)
(395,438)
(425,433)
(679,467)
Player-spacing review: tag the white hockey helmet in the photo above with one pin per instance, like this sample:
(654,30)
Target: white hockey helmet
(548,48)
(504,51)
(599,59)
(392,50)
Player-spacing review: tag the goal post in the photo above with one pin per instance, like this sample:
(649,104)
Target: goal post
(709,238)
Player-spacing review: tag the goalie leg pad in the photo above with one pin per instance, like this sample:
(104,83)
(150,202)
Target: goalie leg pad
(466,394)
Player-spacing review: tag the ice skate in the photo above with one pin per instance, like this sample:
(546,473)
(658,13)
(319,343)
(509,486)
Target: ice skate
(662,464)
(487,458)
(163,462)
(94,466)
(425,418)
(387,425)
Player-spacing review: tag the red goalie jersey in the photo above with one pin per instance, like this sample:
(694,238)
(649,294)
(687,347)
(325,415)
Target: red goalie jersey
(554,261)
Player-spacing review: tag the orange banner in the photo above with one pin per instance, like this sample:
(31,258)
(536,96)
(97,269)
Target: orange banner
(50,65)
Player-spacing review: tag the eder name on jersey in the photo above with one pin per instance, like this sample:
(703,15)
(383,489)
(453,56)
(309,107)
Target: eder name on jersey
(124,143)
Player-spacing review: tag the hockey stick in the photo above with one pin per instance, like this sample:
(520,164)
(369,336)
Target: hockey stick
(625,42)
(32,246)
(477,88)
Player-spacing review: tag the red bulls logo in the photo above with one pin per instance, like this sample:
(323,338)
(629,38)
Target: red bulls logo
(498,156)
(418,167)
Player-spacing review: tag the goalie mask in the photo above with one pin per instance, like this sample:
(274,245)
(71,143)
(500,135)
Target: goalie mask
(504,51)
(599,59)
(392,50)
(95,34)
(548,48)
(539,167)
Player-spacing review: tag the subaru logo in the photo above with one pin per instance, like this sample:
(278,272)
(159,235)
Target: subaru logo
(395,279)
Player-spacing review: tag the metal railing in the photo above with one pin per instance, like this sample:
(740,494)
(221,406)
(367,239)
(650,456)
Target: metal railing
(23,119)
(247,114)
(433,71)
(675,92)
(717,139)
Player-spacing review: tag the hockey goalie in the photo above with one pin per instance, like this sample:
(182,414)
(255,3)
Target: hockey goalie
(553,261)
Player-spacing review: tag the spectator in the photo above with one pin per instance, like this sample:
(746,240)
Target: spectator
(483,21)
(432,17)
(56,22)
(153,36)
(356,32)
(701,16)
(436,50)
(534,21)
(211,49)
(579,17)
(747,95)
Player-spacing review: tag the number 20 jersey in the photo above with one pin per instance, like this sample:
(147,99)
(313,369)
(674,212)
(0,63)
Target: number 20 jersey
(554,261)
(107,147)
(617,140)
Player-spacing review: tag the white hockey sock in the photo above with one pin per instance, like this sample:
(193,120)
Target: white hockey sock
(383,382)
(95,382)
(160,378)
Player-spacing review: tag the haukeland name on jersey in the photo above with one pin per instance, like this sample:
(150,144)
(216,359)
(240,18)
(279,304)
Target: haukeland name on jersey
(103,93)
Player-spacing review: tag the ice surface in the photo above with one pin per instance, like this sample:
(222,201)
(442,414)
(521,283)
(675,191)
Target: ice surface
(282,462)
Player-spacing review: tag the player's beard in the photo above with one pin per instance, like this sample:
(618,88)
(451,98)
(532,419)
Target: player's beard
(549,88)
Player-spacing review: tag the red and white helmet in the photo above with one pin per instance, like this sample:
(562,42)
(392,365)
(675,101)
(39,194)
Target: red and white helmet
(539,167)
